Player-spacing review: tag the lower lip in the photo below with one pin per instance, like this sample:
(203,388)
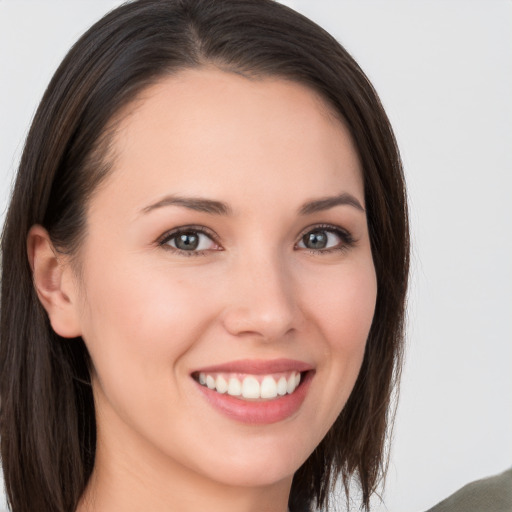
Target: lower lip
(259,412)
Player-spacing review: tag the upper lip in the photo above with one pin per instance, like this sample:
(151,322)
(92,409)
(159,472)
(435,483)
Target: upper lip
(257,366)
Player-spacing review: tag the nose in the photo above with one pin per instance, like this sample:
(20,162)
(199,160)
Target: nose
(261,300)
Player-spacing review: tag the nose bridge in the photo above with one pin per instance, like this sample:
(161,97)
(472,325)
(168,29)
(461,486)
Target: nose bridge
(261,298)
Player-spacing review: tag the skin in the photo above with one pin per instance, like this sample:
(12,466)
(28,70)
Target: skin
(150,315)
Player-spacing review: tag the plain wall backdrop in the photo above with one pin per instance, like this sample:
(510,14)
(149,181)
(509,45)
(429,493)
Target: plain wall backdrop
(443,69)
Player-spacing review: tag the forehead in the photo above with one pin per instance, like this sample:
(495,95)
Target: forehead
(208,129)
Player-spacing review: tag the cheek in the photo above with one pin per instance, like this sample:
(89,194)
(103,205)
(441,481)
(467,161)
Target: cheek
(343,303)
(140,319)
(138,332)
(340,305)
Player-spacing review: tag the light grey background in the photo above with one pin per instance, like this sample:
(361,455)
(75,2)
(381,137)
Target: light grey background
(443,69)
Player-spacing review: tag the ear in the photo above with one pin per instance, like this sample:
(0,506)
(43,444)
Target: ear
(54,283)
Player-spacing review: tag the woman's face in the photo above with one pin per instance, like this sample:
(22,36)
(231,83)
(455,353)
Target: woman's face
(228,249)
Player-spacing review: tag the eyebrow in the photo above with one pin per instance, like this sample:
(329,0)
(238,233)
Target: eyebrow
(213,207)
(193,203)
(320,205)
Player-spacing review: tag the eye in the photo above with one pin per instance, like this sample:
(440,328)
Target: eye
(325,239)
(189,240)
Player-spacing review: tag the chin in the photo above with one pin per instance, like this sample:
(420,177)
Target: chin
(254,476)
(258,466)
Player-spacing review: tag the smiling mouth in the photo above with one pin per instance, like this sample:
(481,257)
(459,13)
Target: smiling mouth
(251,387)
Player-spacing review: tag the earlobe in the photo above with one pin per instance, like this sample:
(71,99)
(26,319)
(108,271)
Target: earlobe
(53,283)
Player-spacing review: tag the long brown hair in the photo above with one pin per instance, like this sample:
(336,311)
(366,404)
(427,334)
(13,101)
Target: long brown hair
(47,418)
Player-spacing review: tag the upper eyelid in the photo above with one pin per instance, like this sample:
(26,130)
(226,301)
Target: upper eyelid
(326,227)
(181,229)
(191,227)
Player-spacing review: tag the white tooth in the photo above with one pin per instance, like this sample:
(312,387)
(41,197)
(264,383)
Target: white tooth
(234,387)
(202,379)
(210,382)
(221,384)
(290,387)
(268,387)
(281,386)
(297,379)
(250,388)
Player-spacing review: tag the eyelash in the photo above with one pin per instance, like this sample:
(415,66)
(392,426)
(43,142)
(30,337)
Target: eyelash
(347,240)
(170,235)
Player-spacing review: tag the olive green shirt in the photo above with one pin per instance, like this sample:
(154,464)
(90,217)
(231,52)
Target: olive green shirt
(493,494)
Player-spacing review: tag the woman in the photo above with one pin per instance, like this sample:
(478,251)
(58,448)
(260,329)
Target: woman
(211,311)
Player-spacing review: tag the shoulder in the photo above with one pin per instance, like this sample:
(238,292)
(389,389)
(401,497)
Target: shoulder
(493,494)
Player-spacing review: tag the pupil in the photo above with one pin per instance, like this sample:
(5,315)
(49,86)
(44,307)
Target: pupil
(315,240)
(187,241)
